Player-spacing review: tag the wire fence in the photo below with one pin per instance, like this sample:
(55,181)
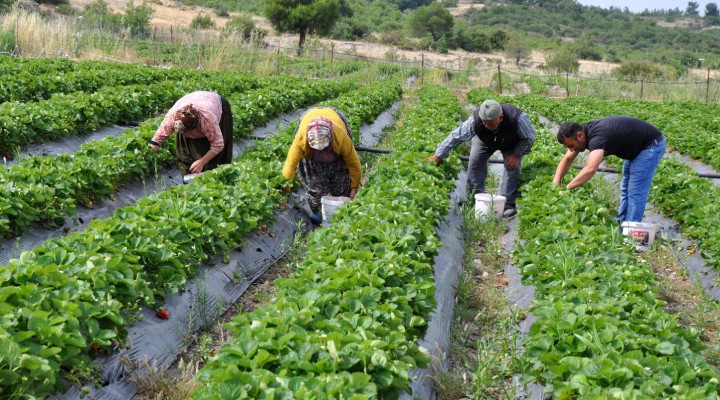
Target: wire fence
(323,59)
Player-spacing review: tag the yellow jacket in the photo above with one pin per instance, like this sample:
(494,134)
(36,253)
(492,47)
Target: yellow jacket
(342,145)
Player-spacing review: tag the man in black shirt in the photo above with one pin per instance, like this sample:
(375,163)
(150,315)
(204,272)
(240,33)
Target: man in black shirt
(639,143)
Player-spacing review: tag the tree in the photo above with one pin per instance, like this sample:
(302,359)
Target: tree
(411,4)
(692,9)
(434,20)
(6,4)
(351,29)
(517,49)
(202,21)
(98,14)
(564,60)
(54,2)
(302,17)
(712,14)
(498,39)
(470,38)
(95,11)
(138,19)
(345,10)
(586,50)
(245,24)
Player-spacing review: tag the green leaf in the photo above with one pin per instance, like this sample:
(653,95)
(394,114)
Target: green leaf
(665,348)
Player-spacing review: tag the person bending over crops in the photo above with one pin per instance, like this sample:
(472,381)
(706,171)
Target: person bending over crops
(324,158)
(492,127)
(639,143)
(204,127)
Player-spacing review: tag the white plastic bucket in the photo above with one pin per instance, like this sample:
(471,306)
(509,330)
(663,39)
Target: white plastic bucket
(189,177)
(642,234)
(484,202)
(330,205)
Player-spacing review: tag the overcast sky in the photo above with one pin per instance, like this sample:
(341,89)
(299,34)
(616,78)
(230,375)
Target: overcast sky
(641,5)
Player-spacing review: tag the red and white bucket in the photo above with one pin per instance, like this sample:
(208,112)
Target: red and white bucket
(642,234)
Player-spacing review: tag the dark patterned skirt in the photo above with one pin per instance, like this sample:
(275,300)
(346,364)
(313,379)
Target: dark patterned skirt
(323,179)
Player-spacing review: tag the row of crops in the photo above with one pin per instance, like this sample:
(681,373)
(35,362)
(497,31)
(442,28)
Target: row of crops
(601,330)
(80,291)
(29,85)
(678,191)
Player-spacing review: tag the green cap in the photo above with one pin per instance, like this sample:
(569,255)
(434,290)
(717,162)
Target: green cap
(489,109)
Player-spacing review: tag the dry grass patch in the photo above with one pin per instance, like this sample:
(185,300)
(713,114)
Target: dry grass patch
(172,384)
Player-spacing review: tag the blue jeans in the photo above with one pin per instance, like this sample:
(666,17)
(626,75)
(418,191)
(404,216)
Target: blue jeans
(636,181)
(478,169)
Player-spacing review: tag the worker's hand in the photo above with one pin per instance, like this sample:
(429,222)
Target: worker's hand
(197,167)
(353,192)
(512,161)
(437,160)
(154,147)
(557,183)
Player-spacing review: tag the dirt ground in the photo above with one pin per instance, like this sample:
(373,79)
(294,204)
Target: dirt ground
(463,7)
(167,12)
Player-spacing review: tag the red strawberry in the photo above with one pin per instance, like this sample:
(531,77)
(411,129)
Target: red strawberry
(97,349)
(163,313)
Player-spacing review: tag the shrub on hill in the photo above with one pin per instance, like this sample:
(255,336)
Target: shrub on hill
(636,70)
(202,21)
(245,24)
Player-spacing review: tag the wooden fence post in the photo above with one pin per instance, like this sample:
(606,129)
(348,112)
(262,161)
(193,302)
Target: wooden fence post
(499,80)
(332,59)
(642,85)
(707,87)
(422,67)
(278,59)
(567,84)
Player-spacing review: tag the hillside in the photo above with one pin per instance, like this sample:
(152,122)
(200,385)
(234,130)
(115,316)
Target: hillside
(665,37)
(169,13)
(593,57)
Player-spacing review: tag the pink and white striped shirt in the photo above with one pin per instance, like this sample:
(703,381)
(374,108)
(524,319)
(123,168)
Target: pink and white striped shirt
(209,107)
